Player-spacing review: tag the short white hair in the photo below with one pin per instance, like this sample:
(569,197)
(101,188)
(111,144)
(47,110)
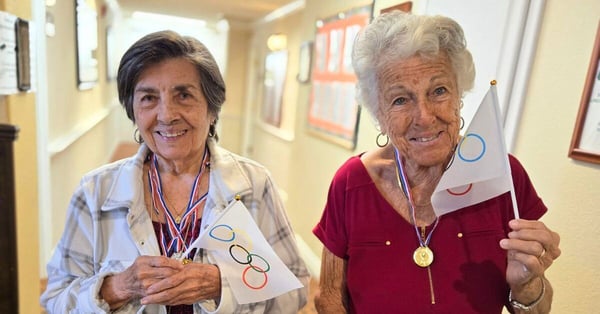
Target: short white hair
(397,35)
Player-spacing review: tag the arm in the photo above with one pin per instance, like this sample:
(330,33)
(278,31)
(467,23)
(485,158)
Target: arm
(332,296)
(95,268)
(72,278)
(533,292)
(531,250)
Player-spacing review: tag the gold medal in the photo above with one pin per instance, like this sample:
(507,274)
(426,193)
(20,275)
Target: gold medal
(423,256)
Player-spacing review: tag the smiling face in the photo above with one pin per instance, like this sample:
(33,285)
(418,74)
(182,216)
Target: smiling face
(171,111)
(419,109)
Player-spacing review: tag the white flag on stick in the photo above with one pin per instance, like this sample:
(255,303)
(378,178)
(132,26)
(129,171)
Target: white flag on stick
(254,271)
(480,169)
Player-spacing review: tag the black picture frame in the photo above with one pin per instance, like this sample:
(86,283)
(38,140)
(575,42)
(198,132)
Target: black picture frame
(23,54)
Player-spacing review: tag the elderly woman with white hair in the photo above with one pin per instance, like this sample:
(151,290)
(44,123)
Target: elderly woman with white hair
(379,229)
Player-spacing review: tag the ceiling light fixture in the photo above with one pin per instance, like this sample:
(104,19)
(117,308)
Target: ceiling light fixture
(277,42)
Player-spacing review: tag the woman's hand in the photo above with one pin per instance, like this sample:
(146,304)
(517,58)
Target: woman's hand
(194,282)
(531,248)
(135,281)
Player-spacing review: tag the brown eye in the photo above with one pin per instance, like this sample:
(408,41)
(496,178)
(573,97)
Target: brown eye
(148,98)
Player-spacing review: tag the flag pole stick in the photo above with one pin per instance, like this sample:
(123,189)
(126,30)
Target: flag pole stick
(501,128)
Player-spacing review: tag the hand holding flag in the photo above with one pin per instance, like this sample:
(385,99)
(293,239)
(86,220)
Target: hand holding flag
(253,270)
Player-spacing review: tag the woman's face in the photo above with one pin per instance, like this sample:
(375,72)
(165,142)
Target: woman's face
(419,108)
(171,111)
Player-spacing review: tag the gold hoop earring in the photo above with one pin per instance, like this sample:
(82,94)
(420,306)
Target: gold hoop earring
(377,140)
(137,137)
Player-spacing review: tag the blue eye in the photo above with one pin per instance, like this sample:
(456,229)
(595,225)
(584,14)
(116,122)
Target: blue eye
(399,101)
(440,91)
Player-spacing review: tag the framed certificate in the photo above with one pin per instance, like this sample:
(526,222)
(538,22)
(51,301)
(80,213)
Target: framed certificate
(585,143)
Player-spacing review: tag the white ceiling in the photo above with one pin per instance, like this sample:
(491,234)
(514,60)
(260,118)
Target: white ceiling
(243,11)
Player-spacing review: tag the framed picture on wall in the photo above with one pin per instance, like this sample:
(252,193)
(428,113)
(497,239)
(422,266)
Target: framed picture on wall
(333,113)
(86,32)
(23,54)
(274,81)
(585,143)
(305,62)
(112,60)
(404,6)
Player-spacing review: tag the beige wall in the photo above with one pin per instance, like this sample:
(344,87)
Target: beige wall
(232,114)
(3,110)
(568,187)
(19,109)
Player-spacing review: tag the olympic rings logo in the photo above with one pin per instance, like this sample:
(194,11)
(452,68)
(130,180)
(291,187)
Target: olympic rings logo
(241,255)
(476,158)
(455,193)
(461,155)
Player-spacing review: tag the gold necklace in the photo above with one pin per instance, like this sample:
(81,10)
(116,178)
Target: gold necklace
(431,292)
(178,215)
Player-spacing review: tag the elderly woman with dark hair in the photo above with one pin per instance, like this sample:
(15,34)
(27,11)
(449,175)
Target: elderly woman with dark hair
(379,229)
(130,222)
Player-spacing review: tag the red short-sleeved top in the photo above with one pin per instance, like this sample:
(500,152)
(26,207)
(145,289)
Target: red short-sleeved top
(468,273)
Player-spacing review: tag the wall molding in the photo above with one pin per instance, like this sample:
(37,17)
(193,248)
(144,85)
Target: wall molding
(61,143)
(279,133)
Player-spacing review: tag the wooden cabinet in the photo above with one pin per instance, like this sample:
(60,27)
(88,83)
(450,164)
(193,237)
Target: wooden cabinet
(9,292)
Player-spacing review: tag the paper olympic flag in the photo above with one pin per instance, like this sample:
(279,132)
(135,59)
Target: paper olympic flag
(480,169)
(254,271)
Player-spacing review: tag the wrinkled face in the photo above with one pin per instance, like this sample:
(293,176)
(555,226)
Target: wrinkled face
(419,108)
(171,111)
